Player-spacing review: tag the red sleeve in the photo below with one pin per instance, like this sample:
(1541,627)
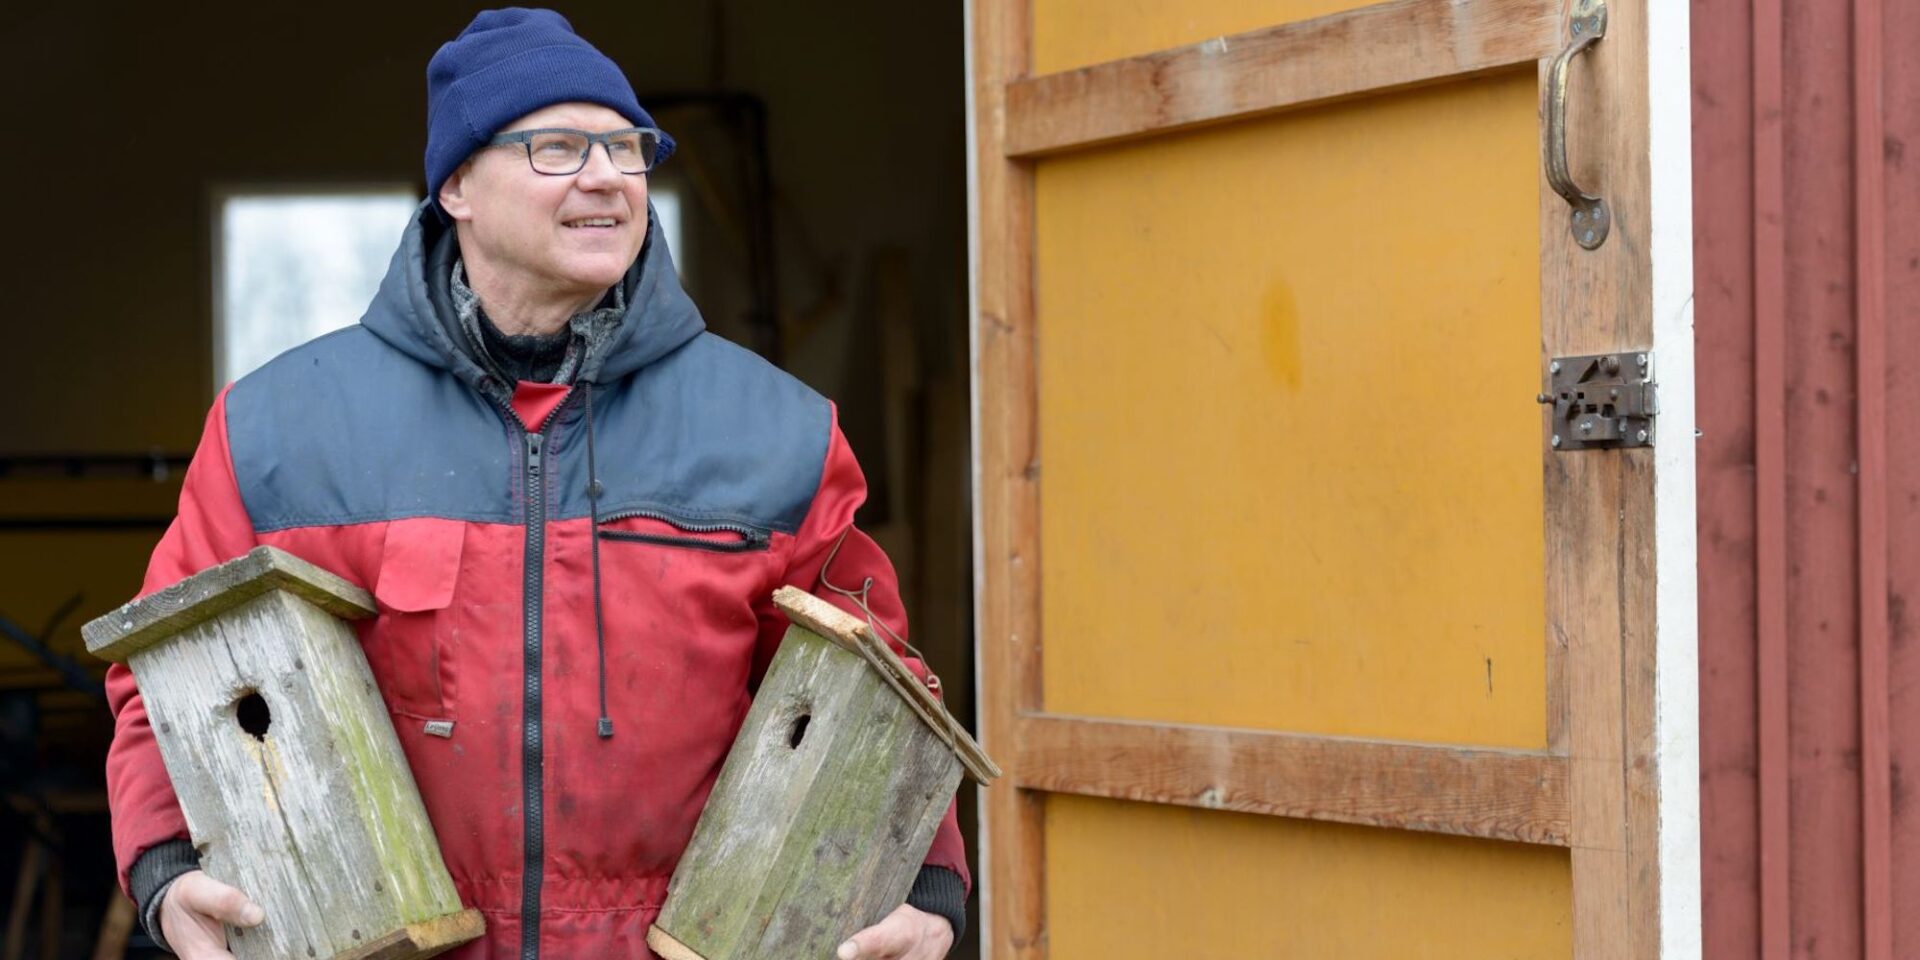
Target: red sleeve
(830,521)
(212,527)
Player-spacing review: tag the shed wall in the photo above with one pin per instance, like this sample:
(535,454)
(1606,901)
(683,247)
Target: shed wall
(1808,263)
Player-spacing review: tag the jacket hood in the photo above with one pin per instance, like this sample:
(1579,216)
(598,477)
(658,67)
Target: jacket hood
(414,311)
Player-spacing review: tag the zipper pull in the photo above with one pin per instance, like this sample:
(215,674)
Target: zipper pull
(533,453)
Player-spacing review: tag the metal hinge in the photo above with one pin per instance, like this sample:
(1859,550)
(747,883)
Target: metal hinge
(1604,401)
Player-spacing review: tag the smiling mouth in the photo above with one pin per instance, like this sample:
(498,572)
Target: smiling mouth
(592,223)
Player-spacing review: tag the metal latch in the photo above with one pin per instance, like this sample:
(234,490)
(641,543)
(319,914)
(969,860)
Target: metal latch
(1602,401)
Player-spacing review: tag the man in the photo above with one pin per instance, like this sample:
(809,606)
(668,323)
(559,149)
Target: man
(572,504)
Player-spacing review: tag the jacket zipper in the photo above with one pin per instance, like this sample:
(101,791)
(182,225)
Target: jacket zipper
(750,538)
(531,760)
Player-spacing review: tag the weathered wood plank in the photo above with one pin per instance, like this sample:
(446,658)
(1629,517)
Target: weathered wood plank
(854,634)
(1497,794)
(1382,47)
(119,635)
(287,768)
(668,948)
(820,818)
(425,939)
(402,856)
(1600,504)
(1013,892)
(228,782)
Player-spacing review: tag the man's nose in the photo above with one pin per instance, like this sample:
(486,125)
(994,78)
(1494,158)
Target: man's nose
(600,173)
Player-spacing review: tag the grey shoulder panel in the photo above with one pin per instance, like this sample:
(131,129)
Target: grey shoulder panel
(708,432)
(347,429)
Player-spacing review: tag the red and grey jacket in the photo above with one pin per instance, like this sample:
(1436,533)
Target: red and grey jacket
(564,729)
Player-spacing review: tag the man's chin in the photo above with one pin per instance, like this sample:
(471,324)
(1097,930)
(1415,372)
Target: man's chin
(598,272)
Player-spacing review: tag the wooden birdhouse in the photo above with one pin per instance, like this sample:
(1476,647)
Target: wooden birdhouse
(285,762)
(827,803)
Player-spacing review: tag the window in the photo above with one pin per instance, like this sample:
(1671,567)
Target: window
(291,266)
(666,207)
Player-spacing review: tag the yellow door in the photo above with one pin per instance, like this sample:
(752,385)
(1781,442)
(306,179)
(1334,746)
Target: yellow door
(1299,637)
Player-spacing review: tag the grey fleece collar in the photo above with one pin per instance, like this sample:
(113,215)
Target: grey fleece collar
(592,329)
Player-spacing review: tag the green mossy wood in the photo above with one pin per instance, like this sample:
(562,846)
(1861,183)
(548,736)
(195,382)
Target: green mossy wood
(827,803)
(285,762)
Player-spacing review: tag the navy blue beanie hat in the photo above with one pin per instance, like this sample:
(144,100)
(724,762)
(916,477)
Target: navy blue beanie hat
(505,65)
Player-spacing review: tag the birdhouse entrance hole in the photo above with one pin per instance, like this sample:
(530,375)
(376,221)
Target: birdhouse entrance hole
(799,731)
(255,718)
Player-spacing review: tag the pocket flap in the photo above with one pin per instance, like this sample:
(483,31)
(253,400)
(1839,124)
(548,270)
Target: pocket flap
(419,564)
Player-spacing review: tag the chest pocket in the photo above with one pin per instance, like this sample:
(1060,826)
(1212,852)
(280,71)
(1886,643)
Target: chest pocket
(412,646)
(657,528)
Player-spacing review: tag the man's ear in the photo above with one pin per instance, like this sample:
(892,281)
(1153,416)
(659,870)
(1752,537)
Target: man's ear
(453,193)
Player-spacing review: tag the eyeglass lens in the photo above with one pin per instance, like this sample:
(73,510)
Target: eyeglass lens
(564,153)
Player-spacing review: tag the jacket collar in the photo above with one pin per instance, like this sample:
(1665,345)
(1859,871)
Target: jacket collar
(414,309)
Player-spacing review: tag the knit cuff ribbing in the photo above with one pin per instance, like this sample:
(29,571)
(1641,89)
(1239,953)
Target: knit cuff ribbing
(939,891)
(152,873)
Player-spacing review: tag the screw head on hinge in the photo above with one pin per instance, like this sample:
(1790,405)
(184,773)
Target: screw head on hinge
(1556,440)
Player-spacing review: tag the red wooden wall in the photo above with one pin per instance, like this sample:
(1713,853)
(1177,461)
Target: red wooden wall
(1807,272)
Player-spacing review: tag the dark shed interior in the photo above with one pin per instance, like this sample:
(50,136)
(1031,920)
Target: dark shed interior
(821,183)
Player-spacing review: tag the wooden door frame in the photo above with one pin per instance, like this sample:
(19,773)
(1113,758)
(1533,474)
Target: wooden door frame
(1618,782)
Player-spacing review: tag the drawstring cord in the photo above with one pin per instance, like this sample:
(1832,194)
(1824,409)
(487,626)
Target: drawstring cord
(949,729)
(593,518)
(874,623)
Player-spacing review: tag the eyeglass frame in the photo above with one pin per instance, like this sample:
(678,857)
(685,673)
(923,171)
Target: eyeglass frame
(525,139)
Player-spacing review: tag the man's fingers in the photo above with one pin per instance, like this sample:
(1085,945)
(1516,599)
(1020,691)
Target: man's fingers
(885,940)
(205,895)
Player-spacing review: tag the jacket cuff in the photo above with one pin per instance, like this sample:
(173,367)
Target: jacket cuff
(152,873)
(939,891)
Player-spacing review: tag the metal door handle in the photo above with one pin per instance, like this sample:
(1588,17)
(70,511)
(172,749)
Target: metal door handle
(1591,218)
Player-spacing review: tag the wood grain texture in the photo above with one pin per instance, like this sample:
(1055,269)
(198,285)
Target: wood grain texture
(857,636)
(667,947)
(821,817)
(1495,794)
(164,613)
(1771,391)
(1599,522)
(311,809)
(1870,377)
(1006,476)
(424,939)
(1381,47)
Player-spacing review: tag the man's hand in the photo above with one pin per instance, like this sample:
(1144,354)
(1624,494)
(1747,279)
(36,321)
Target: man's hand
(906,934)
(192,909)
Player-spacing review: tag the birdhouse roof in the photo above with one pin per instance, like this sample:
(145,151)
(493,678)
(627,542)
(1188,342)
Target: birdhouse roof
(211,592)
(855,634)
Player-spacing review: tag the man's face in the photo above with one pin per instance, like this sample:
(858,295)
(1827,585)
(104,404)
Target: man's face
(549,233)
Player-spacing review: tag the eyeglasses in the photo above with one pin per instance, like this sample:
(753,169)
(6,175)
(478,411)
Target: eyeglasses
(560,152)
